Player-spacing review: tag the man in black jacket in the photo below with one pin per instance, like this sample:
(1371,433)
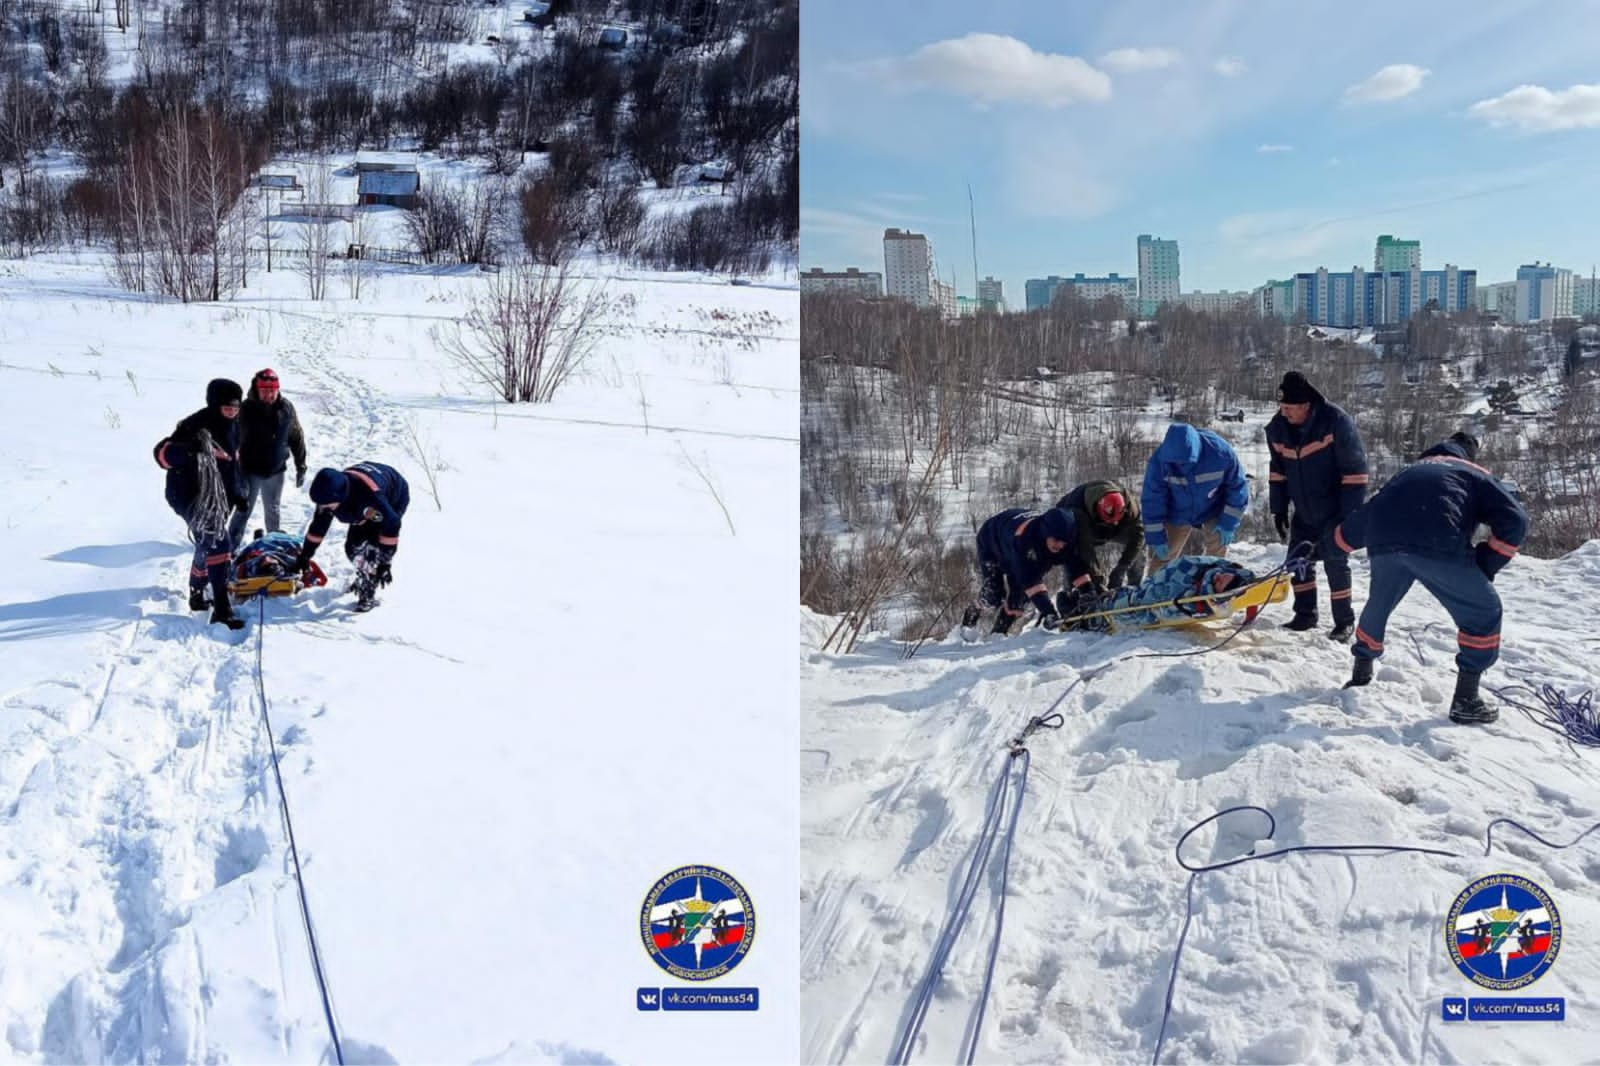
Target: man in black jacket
(272,433)
(201,458)
(1419,529)
(1319,465)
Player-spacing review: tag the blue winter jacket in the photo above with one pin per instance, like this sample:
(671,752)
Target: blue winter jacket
(1433,507)
(1191,479)
(1320,466)
(377,494)
(1014,540)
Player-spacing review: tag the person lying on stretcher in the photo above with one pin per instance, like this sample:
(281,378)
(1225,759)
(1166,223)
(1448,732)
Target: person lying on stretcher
(1189,577)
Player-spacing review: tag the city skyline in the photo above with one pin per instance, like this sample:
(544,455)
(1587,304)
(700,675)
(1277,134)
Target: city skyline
(1470,131)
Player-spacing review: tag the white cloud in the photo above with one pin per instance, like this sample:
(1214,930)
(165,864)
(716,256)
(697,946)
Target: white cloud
(1537,109)
(1133,60)
(1282,236)
(1229,67)
(990,68)
(1390,83)
(1266,149)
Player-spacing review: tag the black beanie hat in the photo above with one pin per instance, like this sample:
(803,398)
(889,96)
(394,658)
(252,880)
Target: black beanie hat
(1468,442)
(221,391)
(1295,389)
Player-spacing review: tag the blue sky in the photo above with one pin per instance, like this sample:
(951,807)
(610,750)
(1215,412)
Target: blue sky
(1266,136)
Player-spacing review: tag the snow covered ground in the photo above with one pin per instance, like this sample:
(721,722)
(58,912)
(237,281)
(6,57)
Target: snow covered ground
(1308,958)
(570,689)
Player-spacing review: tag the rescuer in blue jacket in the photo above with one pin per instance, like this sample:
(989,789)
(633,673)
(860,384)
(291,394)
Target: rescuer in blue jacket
(1419,527)
(1192,484)
(1016,549)
(1319,465)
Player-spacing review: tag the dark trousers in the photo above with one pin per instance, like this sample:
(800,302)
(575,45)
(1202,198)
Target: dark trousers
(1337,565)
(213,559)
(1457,584)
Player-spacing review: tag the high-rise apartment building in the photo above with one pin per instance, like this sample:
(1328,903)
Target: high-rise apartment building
(1586,295)
(909,272)
(991,295)
(1367,298)
(1393,254)
(1158,273)
(1543,292)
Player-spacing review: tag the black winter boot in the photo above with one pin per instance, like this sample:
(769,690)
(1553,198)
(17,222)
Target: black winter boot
(1466,706)
(1301,622)
(1342,632)
(222,612)
(197,600)
(970,616)
(1360,673)
(1003,621)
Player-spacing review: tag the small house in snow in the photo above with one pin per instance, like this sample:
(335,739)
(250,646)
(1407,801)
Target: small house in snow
(278,182)
(613,39)
(392,188)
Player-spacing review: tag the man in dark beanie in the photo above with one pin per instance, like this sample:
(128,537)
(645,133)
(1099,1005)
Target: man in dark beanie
(1320,467)
(373,499)
(204,485)
(1419,527)
(1016,549)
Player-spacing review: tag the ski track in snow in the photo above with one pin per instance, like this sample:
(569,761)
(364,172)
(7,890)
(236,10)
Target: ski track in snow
(141,819)
(1341,958)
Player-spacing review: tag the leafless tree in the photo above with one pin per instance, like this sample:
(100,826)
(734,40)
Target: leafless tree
(316,237)
(529,331)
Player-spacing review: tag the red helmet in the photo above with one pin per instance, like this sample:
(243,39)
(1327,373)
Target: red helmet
(1111,508)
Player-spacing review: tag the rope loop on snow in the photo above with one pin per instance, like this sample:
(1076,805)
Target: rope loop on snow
(1053,720)
(1195,870)
(294,850)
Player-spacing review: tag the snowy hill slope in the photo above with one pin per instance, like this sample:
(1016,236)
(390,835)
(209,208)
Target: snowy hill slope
(1308,958)
(486,775)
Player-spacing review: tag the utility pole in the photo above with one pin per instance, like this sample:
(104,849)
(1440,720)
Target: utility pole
(972,215)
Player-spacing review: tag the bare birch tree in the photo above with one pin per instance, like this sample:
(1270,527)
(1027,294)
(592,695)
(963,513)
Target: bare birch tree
(531,329)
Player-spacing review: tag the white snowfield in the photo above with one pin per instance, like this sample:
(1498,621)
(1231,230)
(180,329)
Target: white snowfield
(1303,958)
(564,695)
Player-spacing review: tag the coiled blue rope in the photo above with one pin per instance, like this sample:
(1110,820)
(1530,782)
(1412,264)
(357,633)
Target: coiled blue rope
(1272,827)
(294,850)
(1575,720)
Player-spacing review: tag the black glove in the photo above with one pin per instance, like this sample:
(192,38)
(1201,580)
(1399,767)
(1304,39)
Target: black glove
(1281,523)
(1098,583)
(383,575)
(299,476)
(299,564)
(1050,621)
(1116,579)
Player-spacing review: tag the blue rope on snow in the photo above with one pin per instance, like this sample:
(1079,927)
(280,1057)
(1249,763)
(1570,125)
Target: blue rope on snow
(983,847)
(1272,827)
(1576,720)
(294,851)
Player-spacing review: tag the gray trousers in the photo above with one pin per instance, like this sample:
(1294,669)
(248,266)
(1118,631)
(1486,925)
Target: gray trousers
(270,492)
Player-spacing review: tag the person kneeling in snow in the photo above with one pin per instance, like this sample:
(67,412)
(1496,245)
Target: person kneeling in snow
(1187,578)
(372,498)
(1419,527)
(205,485)
(1016,549)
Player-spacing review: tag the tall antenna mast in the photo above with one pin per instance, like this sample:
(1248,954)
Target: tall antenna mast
(972,214)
